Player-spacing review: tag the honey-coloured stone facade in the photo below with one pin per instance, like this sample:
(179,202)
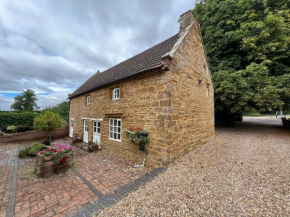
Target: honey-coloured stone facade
(174,104)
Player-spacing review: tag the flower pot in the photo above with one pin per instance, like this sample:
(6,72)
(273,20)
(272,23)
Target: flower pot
(91,149)
(49,158)
(96,148)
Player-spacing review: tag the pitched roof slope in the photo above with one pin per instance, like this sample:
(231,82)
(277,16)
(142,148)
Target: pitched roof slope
(145,61)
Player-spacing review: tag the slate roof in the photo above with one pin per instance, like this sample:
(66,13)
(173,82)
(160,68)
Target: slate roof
(148,60)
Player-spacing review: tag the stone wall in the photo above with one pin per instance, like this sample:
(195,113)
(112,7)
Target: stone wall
(143,101)
(33,135)
(191,116)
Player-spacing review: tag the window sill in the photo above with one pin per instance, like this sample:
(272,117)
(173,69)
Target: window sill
(115,140)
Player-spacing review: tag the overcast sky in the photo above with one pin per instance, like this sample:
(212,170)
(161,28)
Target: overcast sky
(53,46)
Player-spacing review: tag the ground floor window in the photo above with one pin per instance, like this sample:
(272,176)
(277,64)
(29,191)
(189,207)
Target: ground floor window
(115,129)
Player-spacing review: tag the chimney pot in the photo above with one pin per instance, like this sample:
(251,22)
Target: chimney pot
(185,20)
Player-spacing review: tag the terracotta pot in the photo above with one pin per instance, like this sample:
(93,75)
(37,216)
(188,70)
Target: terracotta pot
(91,149)
(96,148)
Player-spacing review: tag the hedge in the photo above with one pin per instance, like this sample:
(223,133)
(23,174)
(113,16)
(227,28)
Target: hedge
(13,118)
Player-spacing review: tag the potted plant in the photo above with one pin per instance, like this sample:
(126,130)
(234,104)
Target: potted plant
(91,146)
(138,136)
(48,121)
(97,145)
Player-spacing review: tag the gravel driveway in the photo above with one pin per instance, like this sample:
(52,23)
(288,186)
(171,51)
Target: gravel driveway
(245,171)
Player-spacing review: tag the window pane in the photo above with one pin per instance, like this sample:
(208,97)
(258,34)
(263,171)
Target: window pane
(119,136)
(115,129)
(111,128)
(119,129)
(115,135)
(111,135)
(111,121)
(99,130)
(115,122)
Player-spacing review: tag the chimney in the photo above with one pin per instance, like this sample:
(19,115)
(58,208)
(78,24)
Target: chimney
(98,72)
(185,20)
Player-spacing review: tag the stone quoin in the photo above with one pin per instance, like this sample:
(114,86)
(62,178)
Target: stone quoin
(166,89)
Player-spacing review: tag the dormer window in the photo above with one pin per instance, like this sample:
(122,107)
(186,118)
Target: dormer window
(116,93)
(88,100)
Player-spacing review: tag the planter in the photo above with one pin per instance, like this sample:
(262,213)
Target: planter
(91,149)
(47,169)
(96,148)
(49,158)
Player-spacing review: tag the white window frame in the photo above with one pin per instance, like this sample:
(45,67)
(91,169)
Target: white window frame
(112,120)
(116,93)
(97,127)
(88,100)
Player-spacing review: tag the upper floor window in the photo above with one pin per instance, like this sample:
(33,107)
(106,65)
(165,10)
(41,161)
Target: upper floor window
(116,93)
(88,100)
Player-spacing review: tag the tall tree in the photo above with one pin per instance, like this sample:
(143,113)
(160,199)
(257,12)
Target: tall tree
(248,46)
(62,109)
(26,101)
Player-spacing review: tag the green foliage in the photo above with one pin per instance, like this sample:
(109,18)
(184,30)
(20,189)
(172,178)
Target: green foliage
(17,118)
(36,147)
(26,101)
(248,46)
(137,135)
(62,109)
(48,121)
(24,152)
(11,128)
(2,133)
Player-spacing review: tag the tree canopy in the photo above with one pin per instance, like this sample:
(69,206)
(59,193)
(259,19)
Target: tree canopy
(48,121)
(62,109)
(248,47)
(26,101)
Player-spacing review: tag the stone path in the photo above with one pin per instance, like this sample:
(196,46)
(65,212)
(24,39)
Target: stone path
(63,194)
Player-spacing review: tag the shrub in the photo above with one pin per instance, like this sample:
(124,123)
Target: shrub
(23,128)
(24,152)
(36,147)
(13,118)
(2,133)
(11,128)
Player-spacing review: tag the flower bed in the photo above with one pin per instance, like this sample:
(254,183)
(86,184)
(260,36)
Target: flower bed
(60,158)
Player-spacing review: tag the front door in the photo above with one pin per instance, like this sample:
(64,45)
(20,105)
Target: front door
(86,131)
(97,131)
(71,128)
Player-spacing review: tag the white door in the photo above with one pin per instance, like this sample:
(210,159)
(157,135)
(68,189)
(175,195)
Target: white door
(86,131)
(97,131)
(71,128)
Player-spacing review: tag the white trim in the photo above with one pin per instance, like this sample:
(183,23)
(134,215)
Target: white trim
(96,119)
(71,118)
(117,140)
(85,118)
(114,94)
(88,100)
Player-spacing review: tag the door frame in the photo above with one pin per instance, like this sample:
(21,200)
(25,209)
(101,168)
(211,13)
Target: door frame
(71,125)
(84,130)
(97,133)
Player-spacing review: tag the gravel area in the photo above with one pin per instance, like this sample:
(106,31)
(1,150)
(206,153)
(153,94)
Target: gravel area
(245,171)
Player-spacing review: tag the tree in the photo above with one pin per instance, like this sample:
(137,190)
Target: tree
(62,109)
(248,46)
(48,121)
(26,101)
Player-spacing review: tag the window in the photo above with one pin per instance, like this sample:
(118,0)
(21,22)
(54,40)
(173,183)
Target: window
(115,129)
(97,127)
(88,100)
(116,93)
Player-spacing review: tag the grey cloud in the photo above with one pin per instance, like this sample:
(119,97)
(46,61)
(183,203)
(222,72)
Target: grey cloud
(50,45)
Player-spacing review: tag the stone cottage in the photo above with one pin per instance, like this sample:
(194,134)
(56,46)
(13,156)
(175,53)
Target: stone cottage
(166,89)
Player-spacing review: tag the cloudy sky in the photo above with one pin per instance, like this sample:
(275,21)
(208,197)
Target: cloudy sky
(53,46)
